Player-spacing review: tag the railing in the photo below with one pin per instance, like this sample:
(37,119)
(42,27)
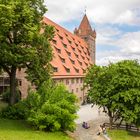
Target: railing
(123,126)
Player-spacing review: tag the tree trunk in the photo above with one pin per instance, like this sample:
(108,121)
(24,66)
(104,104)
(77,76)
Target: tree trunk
(110,118)
(12,86)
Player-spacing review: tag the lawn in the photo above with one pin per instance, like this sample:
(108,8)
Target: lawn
(19,130)
(123,135)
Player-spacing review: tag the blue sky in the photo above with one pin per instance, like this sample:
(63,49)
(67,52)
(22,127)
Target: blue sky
(117,23)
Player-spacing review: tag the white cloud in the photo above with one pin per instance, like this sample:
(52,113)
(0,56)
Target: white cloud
(107,35)
(113,56)
(129,48)
(99,11)
(130,43)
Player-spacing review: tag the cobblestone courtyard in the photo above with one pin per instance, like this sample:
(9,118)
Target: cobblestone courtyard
(94,117)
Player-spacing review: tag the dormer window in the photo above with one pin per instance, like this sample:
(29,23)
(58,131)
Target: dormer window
(79,41)
(67,70)
(76,69)
(69,54)
(82,47)
(58,50)
(76,44)
(62,59)
(73,48)
(57,30)
(54,41)
(77,56)
(80,63)
(65,46)
(79,51)
(69,42)
(83,57)
(86,64)
(55,69)
(60,37)
(72,61)
(66,35)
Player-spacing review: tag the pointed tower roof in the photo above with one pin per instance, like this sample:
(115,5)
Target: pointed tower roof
(85,25)
(85,28)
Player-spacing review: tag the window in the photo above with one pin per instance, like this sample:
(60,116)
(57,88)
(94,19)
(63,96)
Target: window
(73,48)
(76,44)
(69,41)
(77,80)
(69,54)
(83,57)
(81,80)
(77,55)
(72,81)
(60,37)
(63,60)
(82,47)
(73,39)
(67,81)
(85,53)
(86,64)
(72,90)
(19,69)
(72,61)
(79,51)
(77,70)
(76,89)
(54,41)
(88,52)
(85,38)
(66,35)
(61,80)
(55,69)
(57,30)
(65,46)
(67,70)
(80,63)
(20,82)
(58,50)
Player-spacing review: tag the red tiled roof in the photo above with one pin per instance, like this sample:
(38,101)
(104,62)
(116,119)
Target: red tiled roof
(67,48)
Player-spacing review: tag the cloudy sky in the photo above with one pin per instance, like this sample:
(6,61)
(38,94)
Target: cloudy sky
(117,23)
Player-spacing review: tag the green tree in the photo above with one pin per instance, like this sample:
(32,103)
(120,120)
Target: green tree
(116,87)
(24,41)
(53,108)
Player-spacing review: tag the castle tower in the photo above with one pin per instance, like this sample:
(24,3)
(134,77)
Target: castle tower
(85,32)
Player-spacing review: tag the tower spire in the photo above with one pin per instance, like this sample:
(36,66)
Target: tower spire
(85,32)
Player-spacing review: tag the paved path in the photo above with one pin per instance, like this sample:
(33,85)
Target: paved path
(94,117)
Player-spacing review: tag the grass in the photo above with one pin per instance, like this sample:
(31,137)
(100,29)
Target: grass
(19,130)
(123,135)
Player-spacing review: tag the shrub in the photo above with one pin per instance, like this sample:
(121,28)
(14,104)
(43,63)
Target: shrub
(15,112)
(55,109)
(6,95)
(50,108)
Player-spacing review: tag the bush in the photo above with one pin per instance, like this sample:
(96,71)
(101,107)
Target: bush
(51,108)
(15,112)
(6,95)
(55,108)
